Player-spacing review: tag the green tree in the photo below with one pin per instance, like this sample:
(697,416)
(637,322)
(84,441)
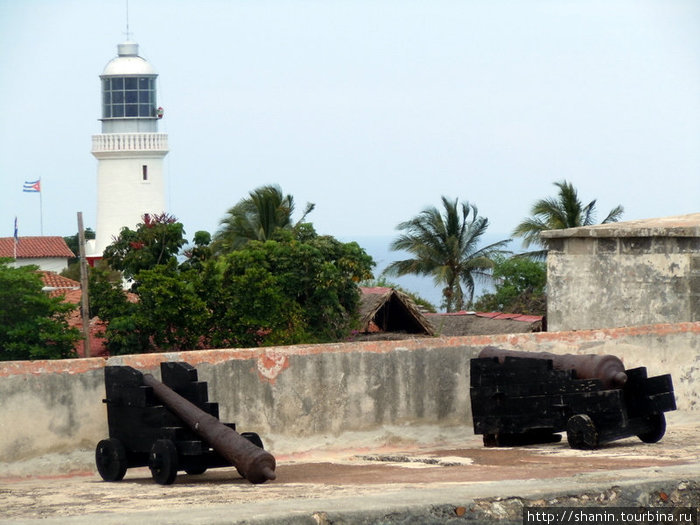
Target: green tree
(109,301)
(286,290)
(165,313)
(520,287)
(73,242)
(170,309)
(555,213)
(157,240)
(32,324)
(257,217)
(297,287)
(199,252)
(446,246)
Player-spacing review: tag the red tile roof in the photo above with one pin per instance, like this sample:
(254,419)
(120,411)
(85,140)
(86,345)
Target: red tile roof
(35,247)
(63,285)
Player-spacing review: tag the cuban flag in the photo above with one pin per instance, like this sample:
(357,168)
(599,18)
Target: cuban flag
(16,237)
(33,186)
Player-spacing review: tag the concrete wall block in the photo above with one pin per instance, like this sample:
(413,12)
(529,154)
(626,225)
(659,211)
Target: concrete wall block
(635,245)
(601,291)
(673,245)
(50,412)
(555,245)
(688,244)
(607,246)
(337,392)
(579,246)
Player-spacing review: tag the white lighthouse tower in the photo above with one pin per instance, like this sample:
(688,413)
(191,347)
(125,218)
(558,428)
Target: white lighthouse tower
(130,151)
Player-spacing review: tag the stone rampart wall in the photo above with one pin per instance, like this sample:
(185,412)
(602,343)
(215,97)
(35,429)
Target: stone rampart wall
(55,407)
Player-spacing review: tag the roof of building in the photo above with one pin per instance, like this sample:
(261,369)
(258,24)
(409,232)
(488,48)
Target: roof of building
(35,247)
(56,285)
(128,62)
(484,323)
(386,310)
(673,226)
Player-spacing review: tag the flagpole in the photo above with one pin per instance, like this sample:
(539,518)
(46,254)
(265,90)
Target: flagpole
(41,208)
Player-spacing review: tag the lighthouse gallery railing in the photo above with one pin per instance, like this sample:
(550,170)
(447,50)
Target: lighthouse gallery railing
(130,142)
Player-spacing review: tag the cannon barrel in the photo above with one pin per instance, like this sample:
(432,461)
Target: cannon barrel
(608,368)
(254,463)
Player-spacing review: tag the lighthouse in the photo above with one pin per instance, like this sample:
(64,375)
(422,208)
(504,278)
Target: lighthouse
(130,150)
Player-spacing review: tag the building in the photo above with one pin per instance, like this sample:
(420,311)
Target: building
(457,324)
(387,313)
(624,273)
(50,254)
(129,150)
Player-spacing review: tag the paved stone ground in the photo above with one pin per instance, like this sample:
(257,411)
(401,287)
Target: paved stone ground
(392,483)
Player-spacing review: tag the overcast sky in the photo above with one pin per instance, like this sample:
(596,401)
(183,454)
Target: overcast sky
(370,109)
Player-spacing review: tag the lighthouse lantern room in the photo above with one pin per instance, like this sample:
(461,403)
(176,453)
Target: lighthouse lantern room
(130,150)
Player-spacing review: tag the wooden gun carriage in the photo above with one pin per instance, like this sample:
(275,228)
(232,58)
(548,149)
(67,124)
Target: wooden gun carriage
(521,398)
(172,426)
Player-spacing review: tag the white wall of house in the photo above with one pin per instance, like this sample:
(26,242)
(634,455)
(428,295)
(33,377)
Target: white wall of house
(48,264)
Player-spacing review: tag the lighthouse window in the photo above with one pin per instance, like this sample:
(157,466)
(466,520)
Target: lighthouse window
(144,170)
(128,97)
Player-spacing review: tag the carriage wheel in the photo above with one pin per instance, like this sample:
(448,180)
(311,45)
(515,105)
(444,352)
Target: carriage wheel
(581,432)
(657,428)
(110,458)
(163,461)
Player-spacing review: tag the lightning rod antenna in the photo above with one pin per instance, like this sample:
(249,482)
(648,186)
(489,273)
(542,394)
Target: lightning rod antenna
(128,33)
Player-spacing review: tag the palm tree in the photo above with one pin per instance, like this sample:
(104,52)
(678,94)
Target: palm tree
(564,211)
(445,246)
(257,217)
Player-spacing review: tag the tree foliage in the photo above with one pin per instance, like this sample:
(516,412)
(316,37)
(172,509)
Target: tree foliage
(286,290)
(445,245)
(32,324)
(155,241)
(256,218)
(560,212)
(297,287)
(73,243)
(72,271)
(520,287)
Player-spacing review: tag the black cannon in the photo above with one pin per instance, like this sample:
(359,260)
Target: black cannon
(521,398)
(172,426)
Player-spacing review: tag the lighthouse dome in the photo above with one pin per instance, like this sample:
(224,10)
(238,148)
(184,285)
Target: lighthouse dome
(128,62)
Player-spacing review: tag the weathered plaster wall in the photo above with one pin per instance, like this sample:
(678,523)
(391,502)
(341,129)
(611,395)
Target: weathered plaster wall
(306,391)
(602,282)
(50,406)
